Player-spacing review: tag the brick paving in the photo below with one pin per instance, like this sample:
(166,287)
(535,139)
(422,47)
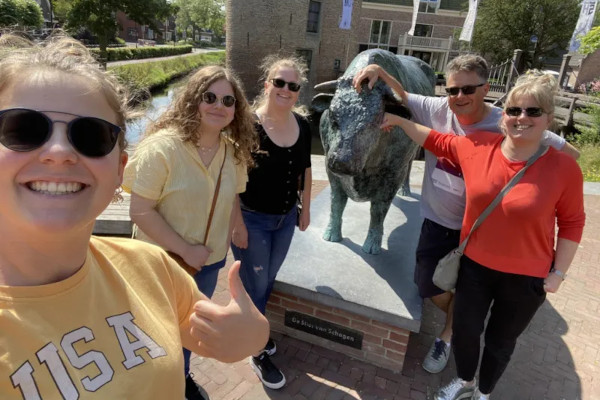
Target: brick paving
(558,357)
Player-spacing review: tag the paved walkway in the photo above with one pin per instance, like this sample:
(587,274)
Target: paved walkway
(558,357)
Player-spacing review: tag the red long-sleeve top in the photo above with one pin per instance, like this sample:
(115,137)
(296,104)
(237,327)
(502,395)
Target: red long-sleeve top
(518,235)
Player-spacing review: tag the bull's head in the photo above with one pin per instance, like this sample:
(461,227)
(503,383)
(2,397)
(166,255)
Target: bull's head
(350,122)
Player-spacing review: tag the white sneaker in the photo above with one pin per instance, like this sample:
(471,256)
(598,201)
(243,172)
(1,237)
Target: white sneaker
(437,357)
(456,390)
(480,396)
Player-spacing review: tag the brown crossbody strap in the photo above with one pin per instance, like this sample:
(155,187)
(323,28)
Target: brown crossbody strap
(215,196)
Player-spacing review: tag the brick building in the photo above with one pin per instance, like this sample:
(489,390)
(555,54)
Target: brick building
(310,28)
(131,31)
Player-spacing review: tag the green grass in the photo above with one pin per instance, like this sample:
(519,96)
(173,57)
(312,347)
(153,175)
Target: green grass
(153,75)
(589,161)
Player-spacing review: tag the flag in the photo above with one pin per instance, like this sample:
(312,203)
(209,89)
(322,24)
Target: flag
(346,14)
(584,23)
(467,30)
(416,4)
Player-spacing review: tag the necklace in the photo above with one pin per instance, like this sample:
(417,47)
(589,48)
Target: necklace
(206,150)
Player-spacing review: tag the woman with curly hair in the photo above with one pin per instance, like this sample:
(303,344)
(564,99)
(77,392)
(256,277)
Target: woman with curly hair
(185,176)
(269,211)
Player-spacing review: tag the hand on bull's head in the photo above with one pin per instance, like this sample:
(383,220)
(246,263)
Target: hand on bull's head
(370,73)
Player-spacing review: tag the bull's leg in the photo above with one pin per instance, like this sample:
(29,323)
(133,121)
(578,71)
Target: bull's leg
(379,209)
(405,188)
(339,198)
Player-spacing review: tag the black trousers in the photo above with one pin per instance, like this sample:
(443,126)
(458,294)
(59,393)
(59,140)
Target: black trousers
(515,300)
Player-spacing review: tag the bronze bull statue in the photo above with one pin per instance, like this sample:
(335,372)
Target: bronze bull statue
(363,162)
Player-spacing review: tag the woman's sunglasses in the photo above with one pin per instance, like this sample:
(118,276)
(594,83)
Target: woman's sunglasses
(211,98)
(529,111)
(280,84)
(22,130)
(468,89)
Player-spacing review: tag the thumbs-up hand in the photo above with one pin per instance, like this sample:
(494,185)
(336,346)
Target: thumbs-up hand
(229,333)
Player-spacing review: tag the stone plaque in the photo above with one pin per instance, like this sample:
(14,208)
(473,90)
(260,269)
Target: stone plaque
(324,329)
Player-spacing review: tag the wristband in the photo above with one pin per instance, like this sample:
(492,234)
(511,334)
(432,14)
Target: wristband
(560,274)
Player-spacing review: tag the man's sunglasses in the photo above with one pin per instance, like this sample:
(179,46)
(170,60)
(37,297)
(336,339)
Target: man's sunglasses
(211,98)
(468,89)
(280,84)
(22,130)
(529,111)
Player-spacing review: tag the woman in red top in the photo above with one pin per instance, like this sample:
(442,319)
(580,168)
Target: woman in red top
(510,259)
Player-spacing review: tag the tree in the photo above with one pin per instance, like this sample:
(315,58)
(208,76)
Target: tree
(505,25)
(201,14)
(99,16)
(20,13)
(590,42)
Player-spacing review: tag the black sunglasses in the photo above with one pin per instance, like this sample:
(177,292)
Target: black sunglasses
(211,98)
(22,130)
(280,84)
(529,111)
(468,89)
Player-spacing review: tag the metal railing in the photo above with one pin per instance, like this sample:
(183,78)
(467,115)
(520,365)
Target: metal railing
(425,42)
(502,76)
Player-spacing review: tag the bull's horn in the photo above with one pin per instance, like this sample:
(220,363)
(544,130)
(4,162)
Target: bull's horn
(326,87)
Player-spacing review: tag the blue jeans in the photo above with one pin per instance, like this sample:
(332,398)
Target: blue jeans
(269,238)
(206,280)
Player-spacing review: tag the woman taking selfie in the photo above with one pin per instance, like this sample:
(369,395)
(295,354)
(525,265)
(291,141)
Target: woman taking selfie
(83,314)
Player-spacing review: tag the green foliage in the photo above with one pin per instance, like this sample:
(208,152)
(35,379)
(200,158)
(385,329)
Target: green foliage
(20,13)
(590,42)
(201,14)
(589,161)
(99,16)
(61,9)
(590,135)
(133,53)
(152,75)
(505,25)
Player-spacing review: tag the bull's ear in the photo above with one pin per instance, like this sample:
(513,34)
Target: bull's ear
(321,102)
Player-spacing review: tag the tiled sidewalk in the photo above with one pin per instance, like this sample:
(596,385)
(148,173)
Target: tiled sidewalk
(558,357)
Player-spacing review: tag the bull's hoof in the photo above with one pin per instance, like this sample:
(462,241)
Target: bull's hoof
(372,245)
(332,234)
(404,190)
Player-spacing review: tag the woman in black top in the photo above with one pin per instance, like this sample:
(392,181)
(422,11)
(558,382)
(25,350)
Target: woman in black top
(263,233)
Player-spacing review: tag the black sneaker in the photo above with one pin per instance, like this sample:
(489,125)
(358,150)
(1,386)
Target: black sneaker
(271,347)
(268,373)
(193,391)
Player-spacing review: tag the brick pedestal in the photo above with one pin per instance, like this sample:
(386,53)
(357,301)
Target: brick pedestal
(383,345)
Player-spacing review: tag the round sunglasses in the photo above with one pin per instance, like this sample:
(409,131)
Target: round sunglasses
(529,111)
(23,130)
(211,98)
(280,84)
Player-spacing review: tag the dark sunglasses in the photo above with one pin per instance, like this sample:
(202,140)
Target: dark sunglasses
(529,111)
(468,89)
(24,130)
(211,98)
(280,84)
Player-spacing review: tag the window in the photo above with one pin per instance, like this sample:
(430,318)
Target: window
(306,55)
(429,6)
(314,10)
(423,30)
(380,34)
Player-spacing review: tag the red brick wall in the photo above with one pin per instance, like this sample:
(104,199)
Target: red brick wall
(383,345)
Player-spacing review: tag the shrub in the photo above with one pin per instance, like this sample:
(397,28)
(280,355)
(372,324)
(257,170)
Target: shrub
(591,134)
(133,53)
